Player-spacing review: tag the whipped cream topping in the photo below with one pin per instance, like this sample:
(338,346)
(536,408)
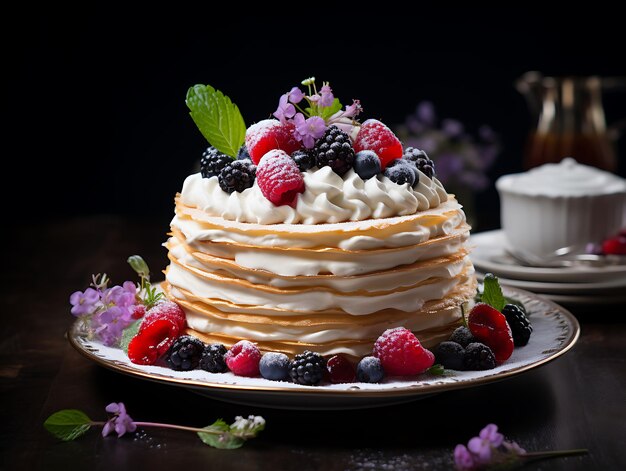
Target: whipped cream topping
(567,178)
(328,198)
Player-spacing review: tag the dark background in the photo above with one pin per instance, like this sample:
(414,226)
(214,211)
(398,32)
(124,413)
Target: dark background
(96,105)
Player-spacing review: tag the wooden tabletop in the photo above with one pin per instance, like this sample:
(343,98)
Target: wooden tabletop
(578,401)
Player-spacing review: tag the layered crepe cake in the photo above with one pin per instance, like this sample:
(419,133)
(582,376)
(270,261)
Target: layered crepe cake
(349,256)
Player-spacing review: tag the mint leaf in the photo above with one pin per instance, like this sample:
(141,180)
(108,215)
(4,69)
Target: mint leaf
(436,370)
(220,436)
(218,119)
(492,293)
(68,424)
(332,109)
(128,333)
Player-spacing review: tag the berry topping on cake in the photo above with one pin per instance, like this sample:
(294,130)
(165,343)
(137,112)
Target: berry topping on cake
(243,154)
(268,135)
(420,160)
(212,162)
(490,327)
(401,353)
(243,358)
(367,164)
(212,359)
(401,172)
(377,137)
(275,366)
(185,353)
(335,150)
(307,368)
(139,311)
(154,339)
(369,370)
(340,369)
(237,176)
(167,309)
(305,159)
(463,336)
(478,357)
(450,355)
(279,178)
(519,324)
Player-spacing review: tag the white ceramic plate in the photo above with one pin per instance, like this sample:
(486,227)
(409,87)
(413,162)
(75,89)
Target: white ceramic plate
(489,255)
(556,331)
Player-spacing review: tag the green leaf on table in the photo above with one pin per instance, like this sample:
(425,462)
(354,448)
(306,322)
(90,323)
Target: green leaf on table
(218,119)
(492,293)
(128,333)
(332,109)
(218,435)
(68,424)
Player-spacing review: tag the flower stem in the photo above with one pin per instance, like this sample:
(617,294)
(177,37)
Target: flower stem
(539,455)
(177,427)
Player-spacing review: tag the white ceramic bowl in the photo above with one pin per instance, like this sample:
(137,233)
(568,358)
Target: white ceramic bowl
(557,206)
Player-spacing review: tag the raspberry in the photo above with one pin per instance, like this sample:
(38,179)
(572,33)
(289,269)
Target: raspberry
(420,160)
(166,309)
(212,162)
(237,176)
(185,353)
(308,368)
(154,339)
(614,246)
(377,137)
(369,370)
(243,358)
(270,134)
(334,149)
(401,353)
(489,326)
(213,358)
(340,369)
(519,324)
(305,159)
(279,178)
(139,311)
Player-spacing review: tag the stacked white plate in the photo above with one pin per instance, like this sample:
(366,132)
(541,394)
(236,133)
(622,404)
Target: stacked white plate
(578,284)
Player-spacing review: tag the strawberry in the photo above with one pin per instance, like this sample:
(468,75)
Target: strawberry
(614,246)
(377,137)
(154,339)
(279,178)
(489,326)
(270,134)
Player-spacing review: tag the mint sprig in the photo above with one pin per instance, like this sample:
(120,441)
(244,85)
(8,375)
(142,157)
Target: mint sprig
(127,335)
(218,435)
(218,119)
(68,424)
(492,293)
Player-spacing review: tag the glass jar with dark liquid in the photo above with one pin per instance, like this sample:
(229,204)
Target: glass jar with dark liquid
(569,119)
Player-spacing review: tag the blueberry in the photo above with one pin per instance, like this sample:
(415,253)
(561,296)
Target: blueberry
(450,355)
(401,172)
(369,370)
(274,366)
(367,164)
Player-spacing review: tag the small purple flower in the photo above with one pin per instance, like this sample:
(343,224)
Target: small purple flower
(452,127)
(426,113)
(307,130)
(84,303)
(480,449)
(121,422)
(514,448)
(314,98)
(296,95)
(463,459)
(285,109)
(490,434)
(109,324)
(327,97)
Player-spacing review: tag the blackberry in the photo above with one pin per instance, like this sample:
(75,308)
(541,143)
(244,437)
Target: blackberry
(274,366)
(478,356)
(450,355)
(401,172)
(463,336)
(185,353)
(420,160)
(237,176)
(307,368)
(213,358)
(335,150)
(243,154)
(305,159)
(519,323)
(212,162)
(369,370)
(366,164)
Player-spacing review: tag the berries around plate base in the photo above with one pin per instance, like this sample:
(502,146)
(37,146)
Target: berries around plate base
(489,326)
(307,368)
(370,370)
(274,366)
(243,358)
(450,355)
(185,353)
(340,369)
(478,357)
(401,353)
(212,359)
(519,323)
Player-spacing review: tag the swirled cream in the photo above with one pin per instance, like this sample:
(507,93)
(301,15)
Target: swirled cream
(328,198)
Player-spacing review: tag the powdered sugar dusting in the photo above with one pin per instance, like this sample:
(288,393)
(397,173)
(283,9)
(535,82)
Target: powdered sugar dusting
(259,130)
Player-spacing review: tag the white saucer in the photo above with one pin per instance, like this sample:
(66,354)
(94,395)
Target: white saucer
(489,255)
